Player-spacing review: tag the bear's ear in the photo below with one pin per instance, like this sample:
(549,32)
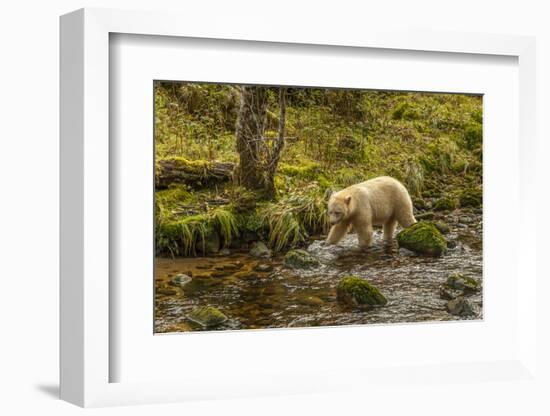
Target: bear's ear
(348,200)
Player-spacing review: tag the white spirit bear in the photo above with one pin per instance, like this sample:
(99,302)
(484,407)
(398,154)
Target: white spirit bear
(379,201)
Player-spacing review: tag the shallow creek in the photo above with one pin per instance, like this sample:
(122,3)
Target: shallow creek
(281,297)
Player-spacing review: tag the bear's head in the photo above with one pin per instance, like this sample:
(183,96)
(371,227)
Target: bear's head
(338,208)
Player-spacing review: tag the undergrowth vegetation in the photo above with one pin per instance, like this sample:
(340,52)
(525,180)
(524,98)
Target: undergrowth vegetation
(334,138)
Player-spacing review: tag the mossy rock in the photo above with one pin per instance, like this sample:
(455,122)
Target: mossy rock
(358,293)
(207,316)
(472,197)
(419,204)
(425,215)
(259,249)
(442,227)
(423,238)
(466,284)
(300,259)
(445,204)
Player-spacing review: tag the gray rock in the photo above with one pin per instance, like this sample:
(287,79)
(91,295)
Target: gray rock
(225,252)
(300,259)
(259,249)
(460,307)
(182,279)
(448,293)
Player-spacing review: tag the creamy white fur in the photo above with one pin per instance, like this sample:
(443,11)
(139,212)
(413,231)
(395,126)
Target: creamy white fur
(379,201)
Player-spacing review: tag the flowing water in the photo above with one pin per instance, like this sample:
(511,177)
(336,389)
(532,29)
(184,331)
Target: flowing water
(278,297)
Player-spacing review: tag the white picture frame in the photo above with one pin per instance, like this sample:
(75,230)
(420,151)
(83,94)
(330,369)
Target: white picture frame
(86,356)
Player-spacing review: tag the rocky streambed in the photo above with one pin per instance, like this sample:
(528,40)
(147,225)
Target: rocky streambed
(239,290)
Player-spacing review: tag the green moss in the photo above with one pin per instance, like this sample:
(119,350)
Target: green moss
(404,111)
(445,204)
(356,292)
(458,281)
(348,176)
(183,237)
(473,135)
(423,238)
(300,259)
(207,316)
(196,234)
(307,170)
(472,197)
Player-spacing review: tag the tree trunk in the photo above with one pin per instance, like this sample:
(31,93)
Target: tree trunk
(251,122)
(274,153)
(258,159)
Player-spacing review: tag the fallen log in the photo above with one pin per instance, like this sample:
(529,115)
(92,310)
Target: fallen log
(195,173)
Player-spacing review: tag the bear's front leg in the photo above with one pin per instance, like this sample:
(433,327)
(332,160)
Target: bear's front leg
(364,235)
(337,232)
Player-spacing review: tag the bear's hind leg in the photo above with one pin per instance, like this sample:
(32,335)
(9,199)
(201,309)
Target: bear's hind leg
(337,232)
(389,229)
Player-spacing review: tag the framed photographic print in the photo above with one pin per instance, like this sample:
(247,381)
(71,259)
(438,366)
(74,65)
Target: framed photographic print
(248,215)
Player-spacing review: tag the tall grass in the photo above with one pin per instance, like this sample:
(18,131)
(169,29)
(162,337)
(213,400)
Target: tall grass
(295,217)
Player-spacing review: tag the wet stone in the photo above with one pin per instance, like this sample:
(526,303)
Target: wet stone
(310,300)
(207,316)
(458,281)
(460,307)
(300,259)
(182,279)
(259,249)
(442,227)
(263,267)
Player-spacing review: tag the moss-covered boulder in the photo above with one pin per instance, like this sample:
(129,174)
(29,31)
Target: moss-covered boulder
(423,238)
(472,197)
(446,203)
(300,259)
(207,316)
(355,292)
